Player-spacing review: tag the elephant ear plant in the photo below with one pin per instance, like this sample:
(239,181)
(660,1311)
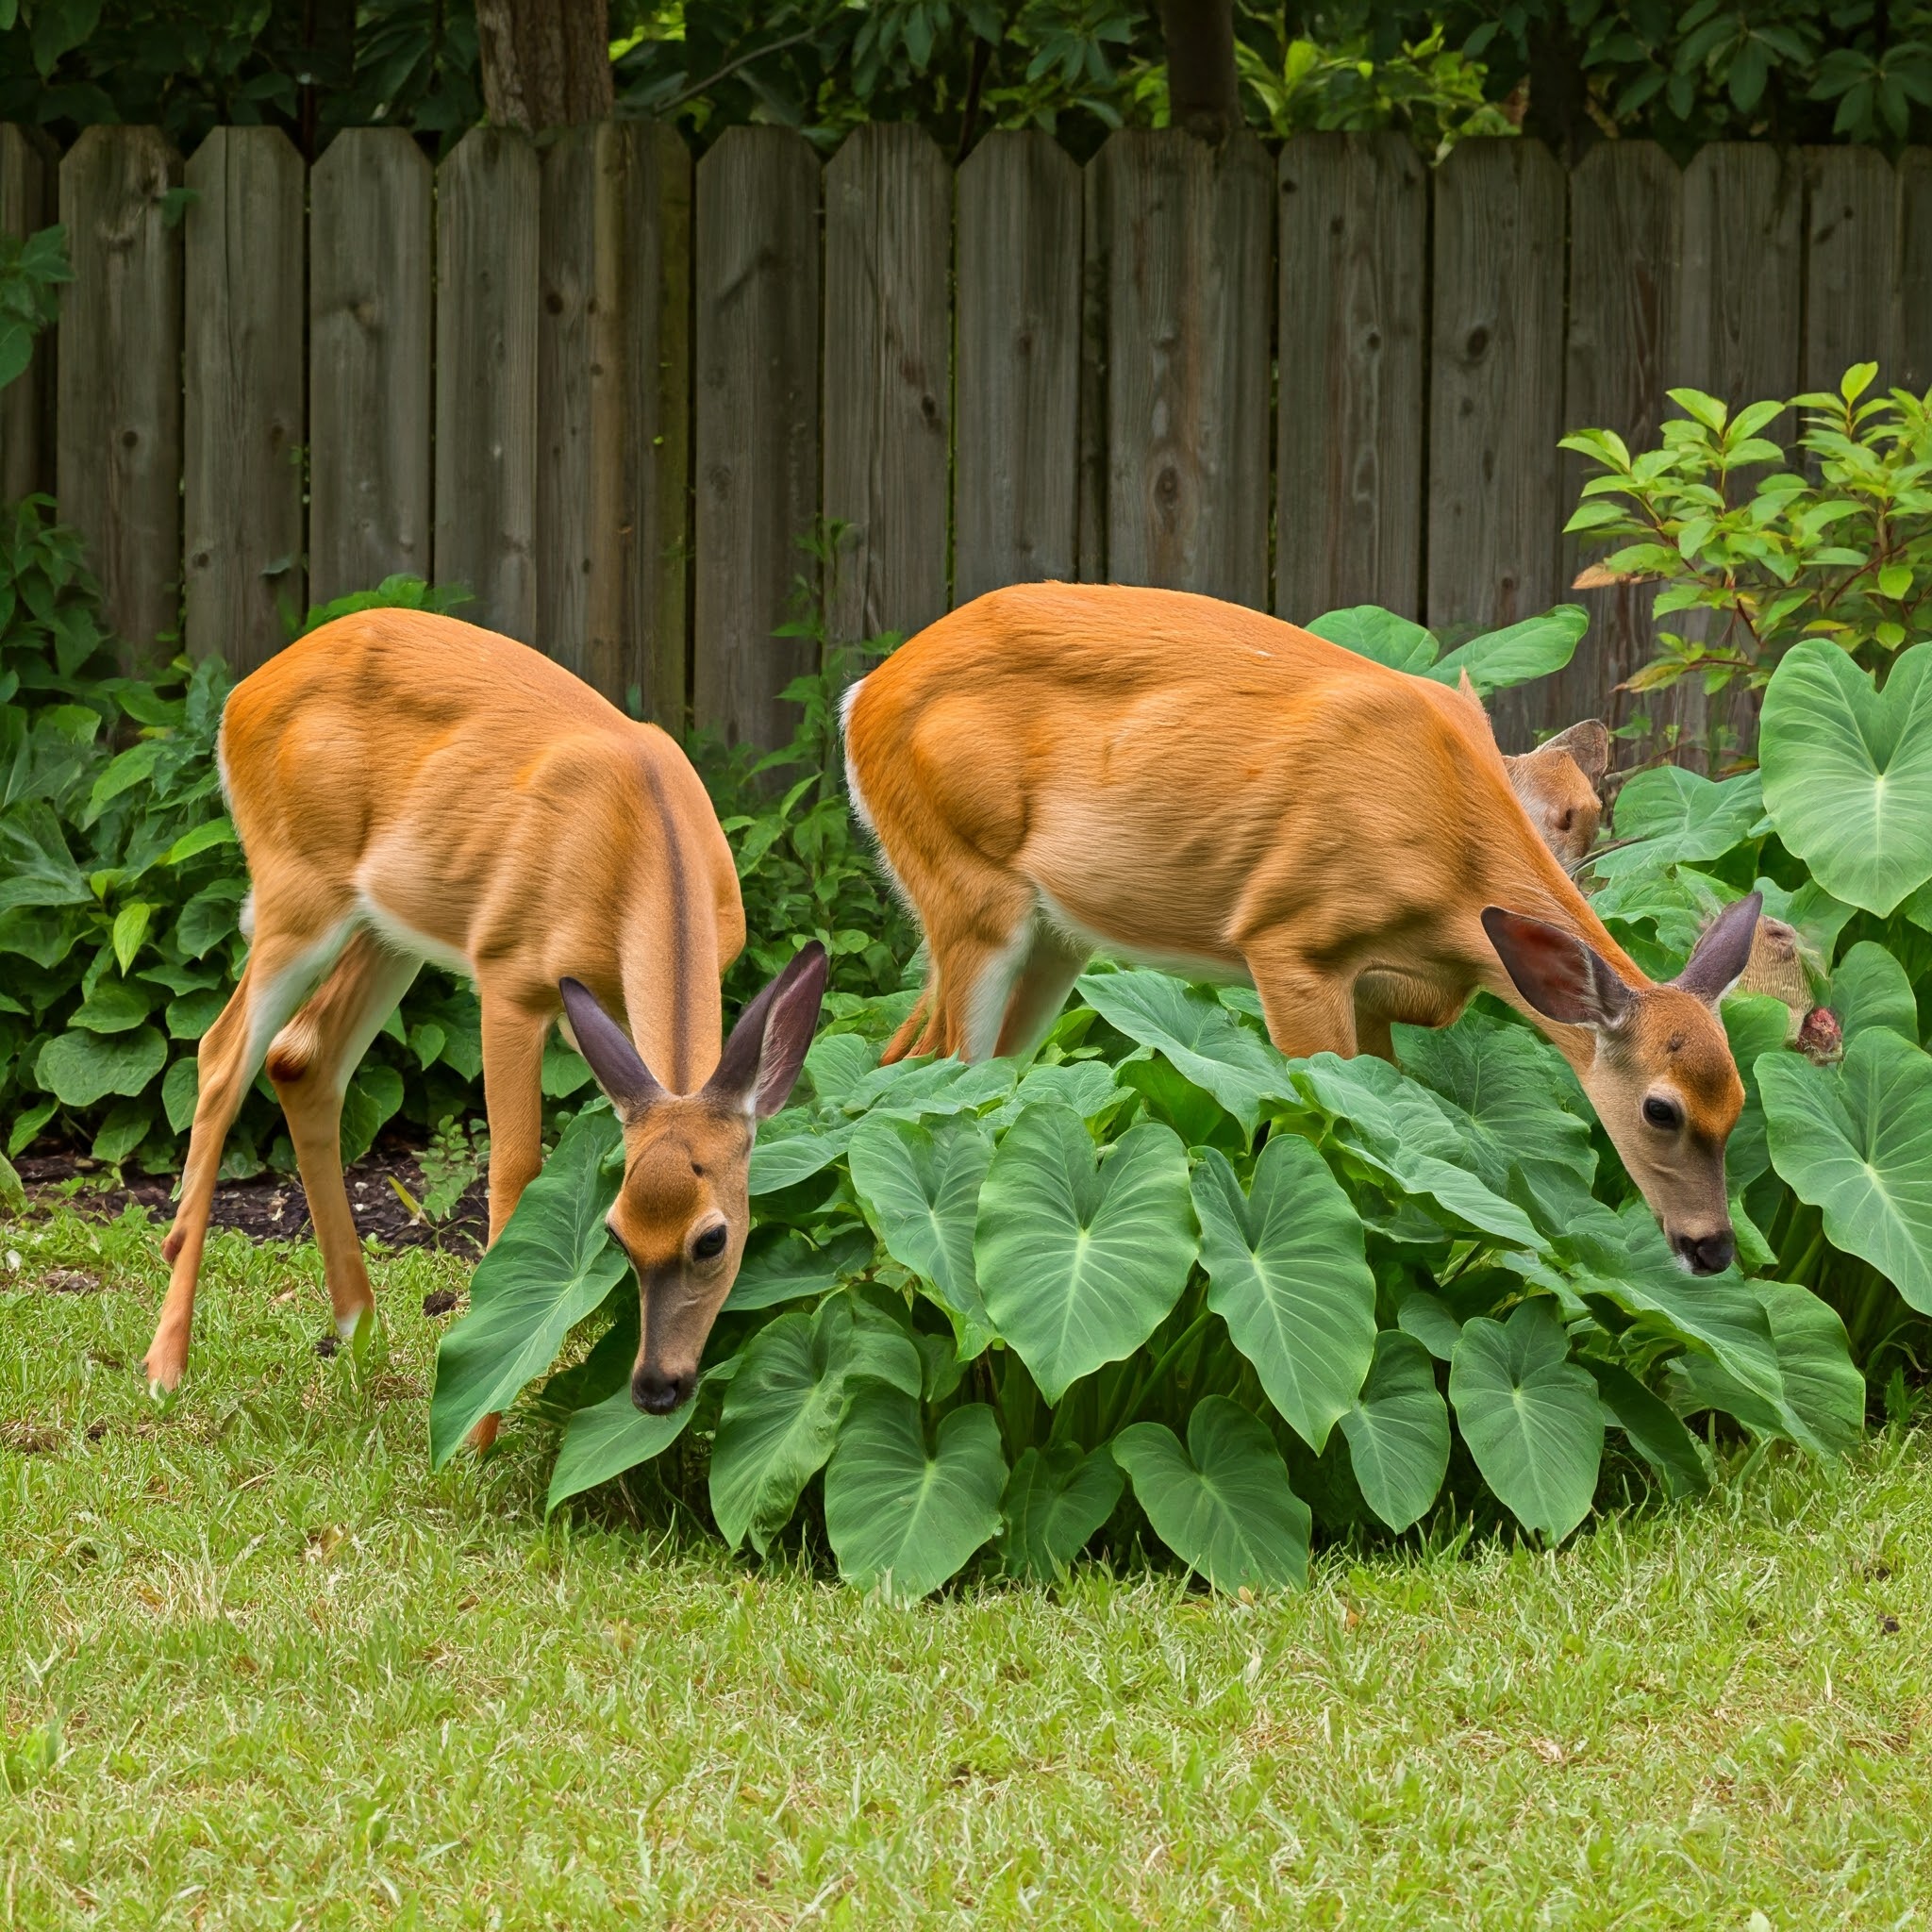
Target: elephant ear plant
(1161,1284)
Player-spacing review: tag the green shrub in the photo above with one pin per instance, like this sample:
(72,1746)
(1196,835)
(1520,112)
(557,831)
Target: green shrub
(1765,552)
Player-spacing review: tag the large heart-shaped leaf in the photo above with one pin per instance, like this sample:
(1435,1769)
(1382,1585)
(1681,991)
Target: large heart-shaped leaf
(1222,1504)
(1856,1140)
(614,1435)
(1655,1430)
(1196,1033)
(1056,1499)
(1400,1130)
(82,1068)
(1869,988)
(792,1146)
(782,1411)
(1370,631)
(1398,1431)
(1848,770)
(900,1519)
(1822,1408)
(1286,1273)
(920,1188)
(1754,1025)
(1673,814)
(916,1090)
(780,1265)
(1530,1416)
(1518,652)
(1078,1260)
(552,1264)
(36,868)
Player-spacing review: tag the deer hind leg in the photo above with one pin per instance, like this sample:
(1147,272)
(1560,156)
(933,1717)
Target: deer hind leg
(310,1060)
(281,968)
(1053,962)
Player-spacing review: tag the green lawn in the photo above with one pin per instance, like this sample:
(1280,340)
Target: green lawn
(295,1679)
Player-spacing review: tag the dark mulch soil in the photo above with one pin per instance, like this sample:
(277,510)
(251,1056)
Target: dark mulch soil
(271,1207)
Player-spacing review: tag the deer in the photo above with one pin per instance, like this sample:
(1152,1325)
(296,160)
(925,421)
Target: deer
(1053,770)
(1559,785)
(408,787)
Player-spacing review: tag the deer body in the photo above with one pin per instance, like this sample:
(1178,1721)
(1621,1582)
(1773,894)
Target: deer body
(407,787)
(1055,768)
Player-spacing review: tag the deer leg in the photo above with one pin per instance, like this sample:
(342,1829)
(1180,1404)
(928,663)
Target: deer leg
(310,1060)
(1307,1010)
(280,969)
(913,1028)
(513,1037)
(1052,965)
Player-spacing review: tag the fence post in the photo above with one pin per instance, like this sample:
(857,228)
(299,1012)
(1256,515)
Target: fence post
(369,369)
(1495,386)
(1184,234)
(1016,474)
(242,480)
(1850,265)
(888,388)
(1626,225)
(1354,275)
(612,388)
(118,430)
(486,213)
(27,202)
(757,409)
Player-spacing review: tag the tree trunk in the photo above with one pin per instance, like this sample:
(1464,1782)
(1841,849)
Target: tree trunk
(546,63)
(1559,110)
(1204,95)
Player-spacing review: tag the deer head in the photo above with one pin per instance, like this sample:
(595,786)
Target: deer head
(684,1207)
(1660,1074)
(1556,784)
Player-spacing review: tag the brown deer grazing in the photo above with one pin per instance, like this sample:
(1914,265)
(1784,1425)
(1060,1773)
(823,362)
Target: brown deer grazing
(408,787)
(1057,767)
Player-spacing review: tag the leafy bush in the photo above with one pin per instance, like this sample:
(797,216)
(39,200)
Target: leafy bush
(1768,556)
(982,1305)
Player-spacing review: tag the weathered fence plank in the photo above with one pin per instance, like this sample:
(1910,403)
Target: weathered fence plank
(1741,285)
(612,406)
(1496,386)
(1188,241)
(1016,471)
(243,415)
(118,432)
(1911,320)
(1850,264)
(1627,226)
(27,199)
(757,408)
(371,256)
(888,386)
(488,199)
(1352,308)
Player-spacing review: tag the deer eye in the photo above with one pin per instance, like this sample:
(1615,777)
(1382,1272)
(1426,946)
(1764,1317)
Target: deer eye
(1663,1113)
(709,1244)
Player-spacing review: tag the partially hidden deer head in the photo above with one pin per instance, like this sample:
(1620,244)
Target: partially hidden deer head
(1558,785)
(683,1209)
(1660,1074)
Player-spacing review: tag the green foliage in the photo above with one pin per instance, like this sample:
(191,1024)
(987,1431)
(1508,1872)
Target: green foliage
(31,271)
(1761,551)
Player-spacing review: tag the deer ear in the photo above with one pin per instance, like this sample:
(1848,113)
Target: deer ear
(1563,977)
(1589,743)
(761,1062)
(1723,952)
(620,1070)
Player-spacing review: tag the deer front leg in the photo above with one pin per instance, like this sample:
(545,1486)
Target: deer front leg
(1308,1008)
(513,1036)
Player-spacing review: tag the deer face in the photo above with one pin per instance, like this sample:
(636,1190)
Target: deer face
(684,1207)
(1661,1077)
(1556,785)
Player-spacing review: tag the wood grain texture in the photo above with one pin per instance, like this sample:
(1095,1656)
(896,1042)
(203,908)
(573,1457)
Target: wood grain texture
(1851,265)
(1496,386)
(243,415)
(488,198)
(1742,296)
(118,434)
(1188,237)
(612,404)
(1627,226)
(1352,310)
(756,355)
(1911,318)
(887,383)
(1016,473)
(27,202)
(371,260)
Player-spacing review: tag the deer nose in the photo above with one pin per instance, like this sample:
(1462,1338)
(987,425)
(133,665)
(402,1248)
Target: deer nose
(1707,1253)
(657,1393)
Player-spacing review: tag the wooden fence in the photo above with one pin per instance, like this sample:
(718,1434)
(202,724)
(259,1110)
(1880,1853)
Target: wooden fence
(609,390)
